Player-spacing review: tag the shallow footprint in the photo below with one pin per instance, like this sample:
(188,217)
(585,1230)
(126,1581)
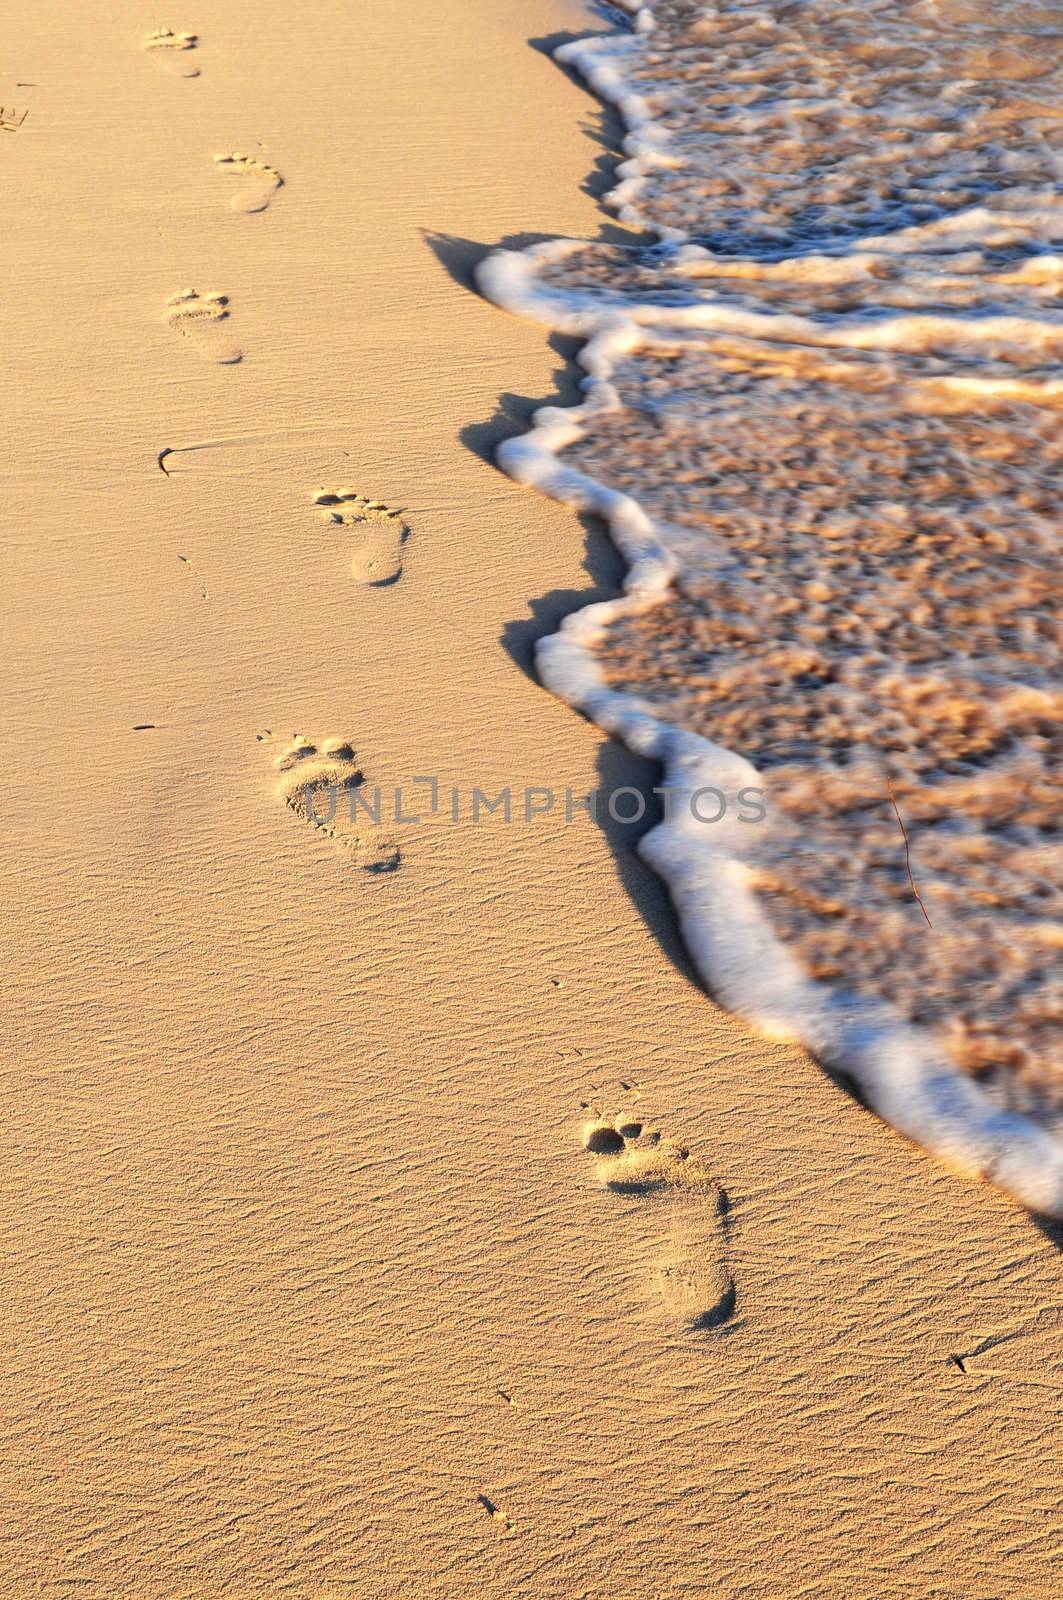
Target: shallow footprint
(377,559)
(198,318)
(171,49)
(694,1285)
(320,782)
(259,181)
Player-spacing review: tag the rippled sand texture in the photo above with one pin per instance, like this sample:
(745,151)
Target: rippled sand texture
(834,387)
(865,599)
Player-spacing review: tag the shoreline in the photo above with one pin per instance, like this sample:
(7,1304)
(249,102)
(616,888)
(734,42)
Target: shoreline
(900,1071)
(321,1275)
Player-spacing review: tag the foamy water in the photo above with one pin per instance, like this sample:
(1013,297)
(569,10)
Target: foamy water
(822,417)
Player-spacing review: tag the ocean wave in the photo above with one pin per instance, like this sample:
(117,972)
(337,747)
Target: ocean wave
(821,419)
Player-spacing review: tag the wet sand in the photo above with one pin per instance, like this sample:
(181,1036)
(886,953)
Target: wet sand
(310,1285)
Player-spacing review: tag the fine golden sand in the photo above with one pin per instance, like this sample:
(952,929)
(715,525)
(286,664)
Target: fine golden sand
(419,1231)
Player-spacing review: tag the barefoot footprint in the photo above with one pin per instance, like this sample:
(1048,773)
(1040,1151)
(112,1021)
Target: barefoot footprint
(378,557)
(198,317)
(260,184)
(695,1286)
(170,50)
(321,783)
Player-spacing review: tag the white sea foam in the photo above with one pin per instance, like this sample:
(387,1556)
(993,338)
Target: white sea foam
(981,321)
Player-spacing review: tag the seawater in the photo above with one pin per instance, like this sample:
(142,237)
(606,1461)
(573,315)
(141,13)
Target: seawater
(822,416)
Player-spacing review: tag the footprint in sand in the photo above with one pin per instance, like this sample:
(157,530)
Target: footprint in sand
(695,1287)
(321,782)
(171,50)
(377,558)
(258,181)
(199,317)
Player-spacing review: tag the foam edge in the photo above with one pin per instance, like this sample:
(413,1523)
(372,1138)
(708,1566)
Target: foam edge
(901,1072)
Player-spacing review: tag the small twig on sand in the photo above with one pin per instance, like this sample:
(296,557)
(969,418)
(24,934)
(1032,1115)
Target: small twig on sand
(907,851)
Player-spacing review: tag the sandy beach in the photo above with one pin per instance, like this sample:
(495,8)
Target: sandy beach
(310,1287)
